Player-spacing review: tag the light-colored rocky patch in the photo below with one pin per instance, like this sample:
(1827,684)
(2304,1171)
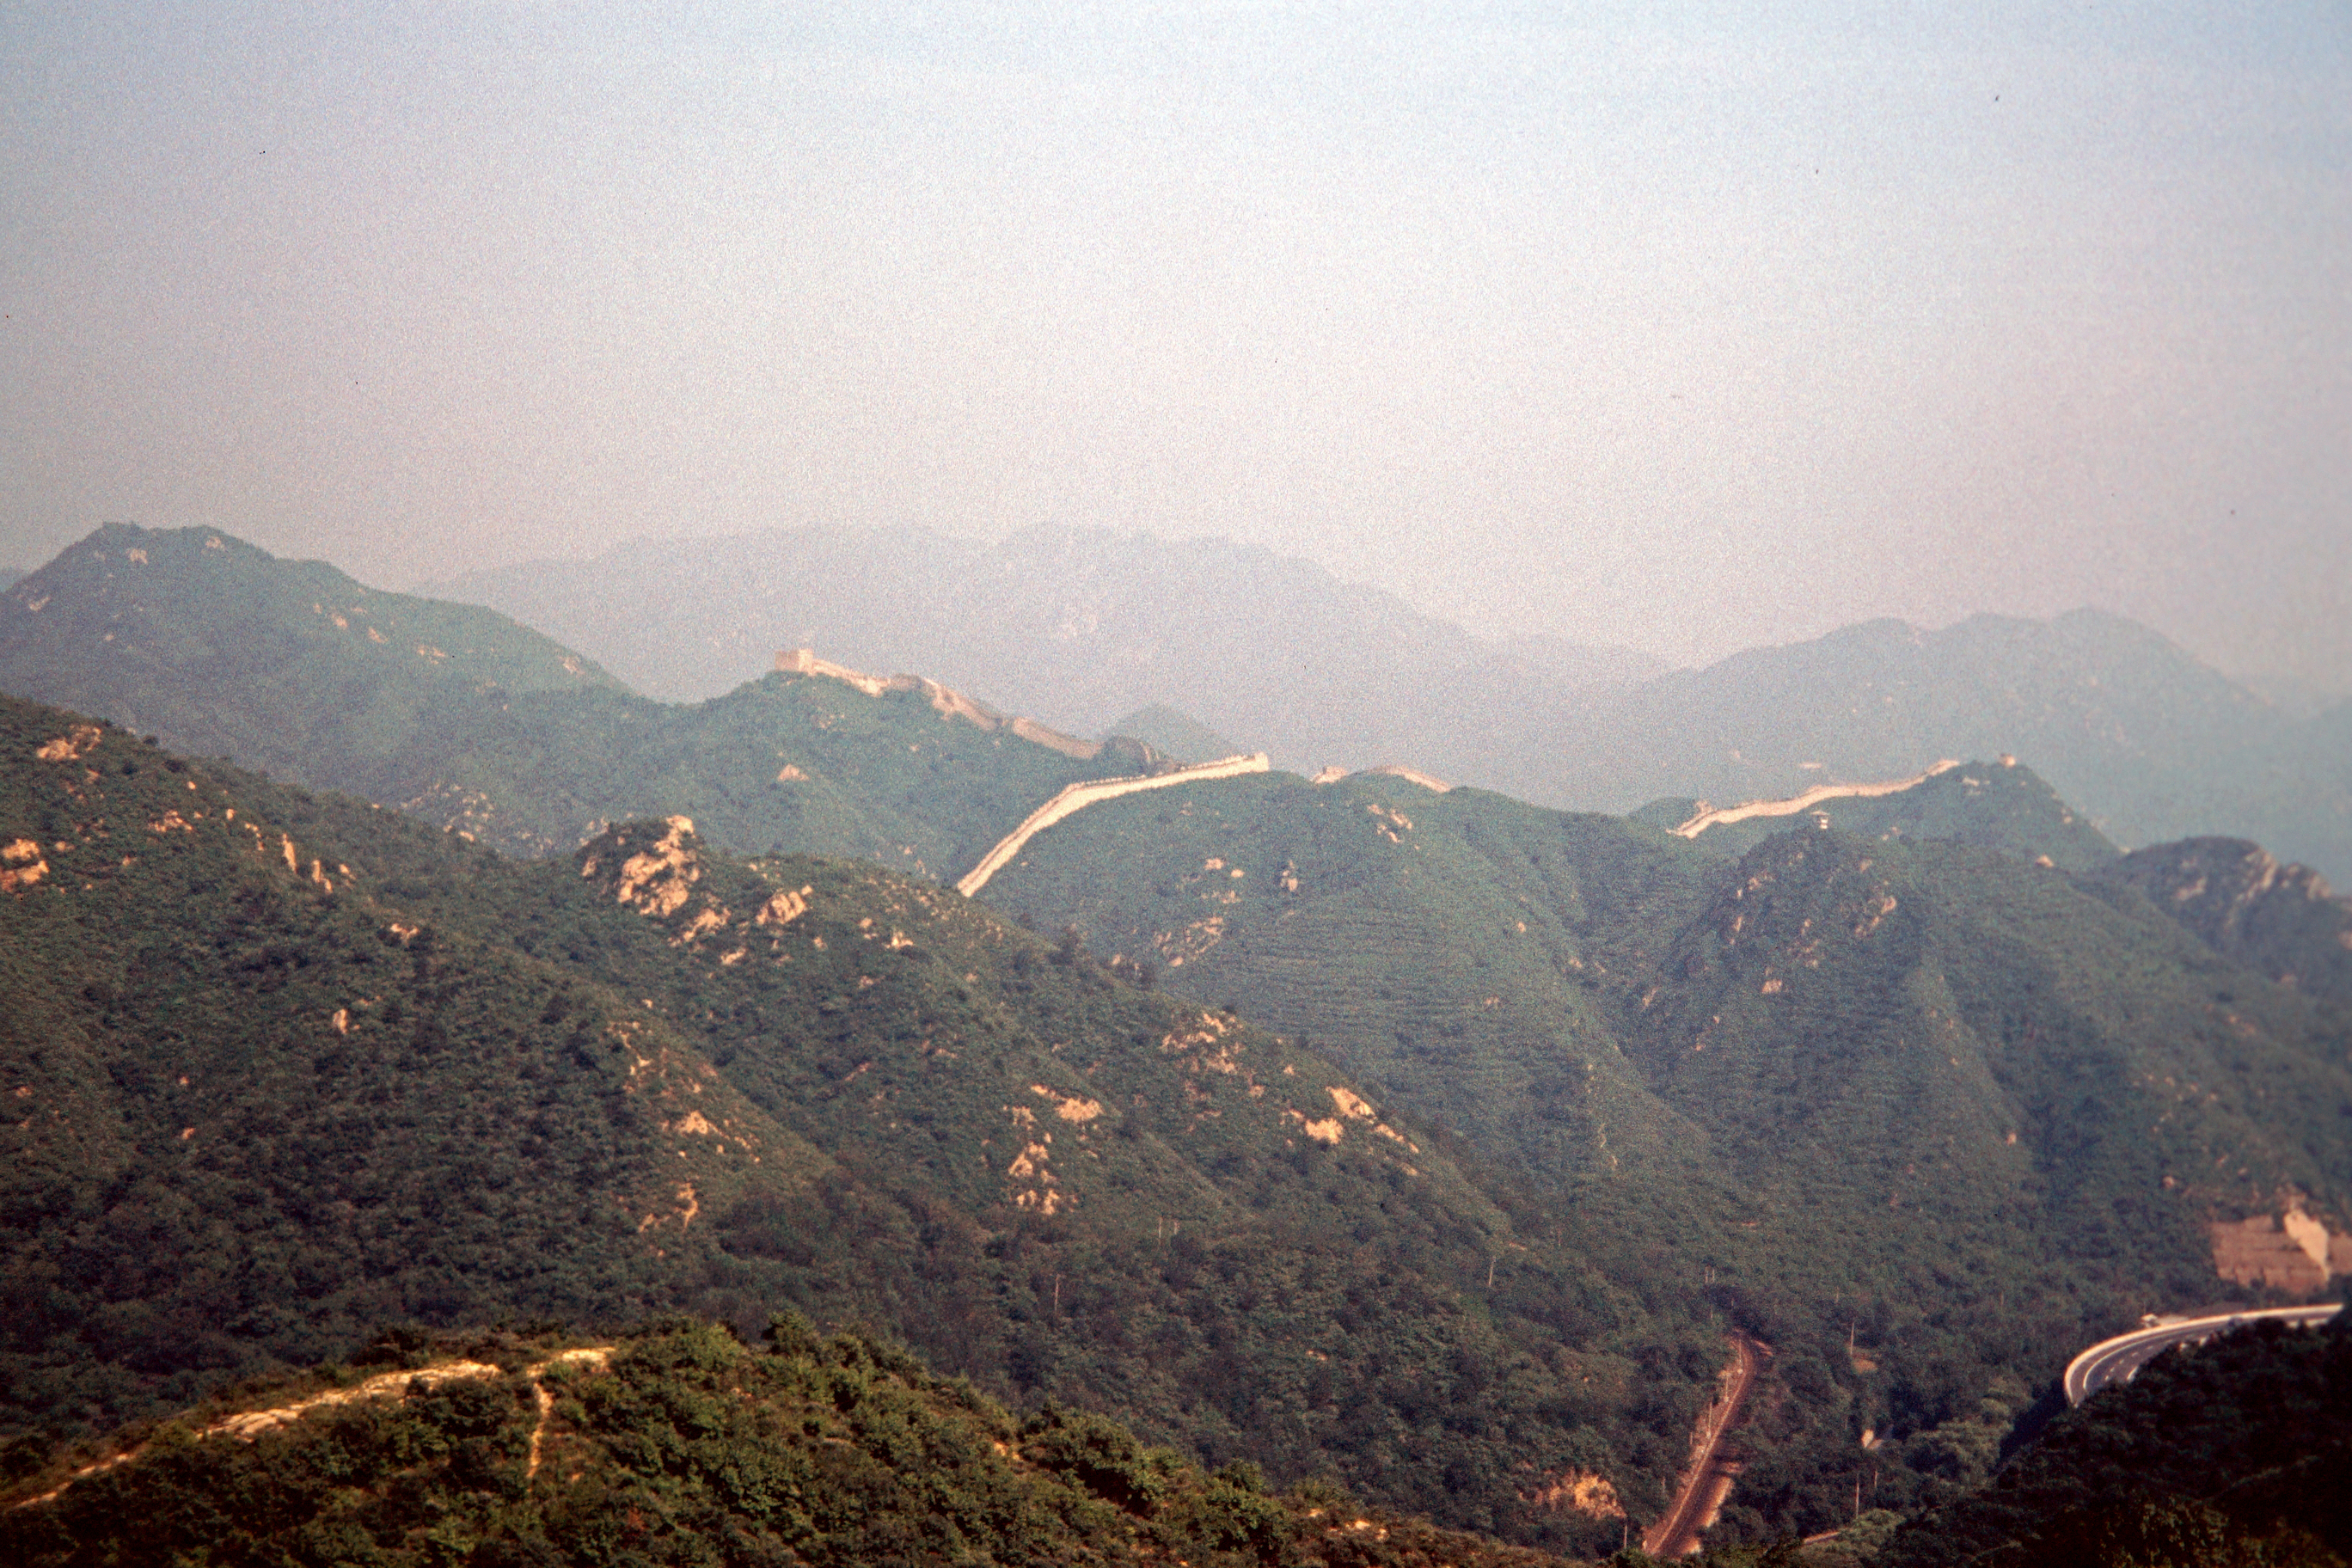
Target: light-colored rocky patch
(1580,1491)
(22,864)
(694,1123)
(1873,912)
(658,880)
(789,773)
(783,909)
(1189,942)
(1326,1131)
(71,745)
(1069,1107)
(1356,1108)
(710,917)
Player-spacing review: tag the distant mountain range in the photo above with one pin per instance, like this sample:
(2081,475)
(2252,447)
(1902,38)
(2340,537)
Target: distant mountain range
(1085,626)
(461,717)
(1914,1081)
(1076,625)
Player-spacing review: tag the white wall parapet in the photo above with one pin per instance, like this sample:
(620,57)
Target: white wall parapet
(1077,798)
(1709,817)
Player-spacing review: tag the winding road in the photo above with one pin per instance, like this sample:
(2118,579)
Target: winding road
(2119,1360)
(1709,1482)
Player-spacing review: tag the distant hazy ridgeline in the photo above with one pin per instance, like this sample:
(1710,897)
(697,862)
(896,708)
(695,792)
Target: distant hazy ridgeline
(1084,626)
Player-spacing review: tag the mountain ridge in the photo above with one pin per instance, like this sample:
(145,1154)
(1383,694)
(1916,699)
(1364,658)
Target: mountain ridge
(1085,625)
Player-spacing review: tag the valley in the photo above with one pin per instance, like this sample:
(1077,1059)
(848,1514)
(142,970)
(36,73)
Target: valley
(1357,1131)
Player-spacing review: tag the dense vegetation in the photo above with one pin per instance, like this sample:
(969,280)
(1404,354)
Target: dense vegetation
(1914,1112)
(679,1445)
(459,717)
(1548,1100)
(2000,805)
(290,1066)
(2235,1453)
(2235,896)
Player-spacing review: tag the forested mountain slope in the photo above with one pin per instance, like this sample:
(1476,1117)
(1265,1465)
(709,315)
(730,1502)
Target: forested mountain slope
(1084,626)
(193,635)
(2001,804)
(1915,1112)
(260,1104)
(2282,919)
(679,1445)
(2237,1451)
(287,1065)
(465,719)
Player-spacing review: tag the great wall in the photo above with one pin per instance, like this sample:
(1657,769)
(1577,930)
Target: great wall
(1708,816)
(1079,796)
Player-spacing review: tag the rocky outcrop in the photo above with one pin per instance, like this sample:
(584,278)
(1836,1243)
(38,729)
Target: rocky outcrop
(2241,900)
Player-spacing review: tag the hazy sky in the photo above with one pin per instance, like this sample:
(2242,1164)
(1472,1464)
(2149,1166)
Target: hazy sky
(1688,329)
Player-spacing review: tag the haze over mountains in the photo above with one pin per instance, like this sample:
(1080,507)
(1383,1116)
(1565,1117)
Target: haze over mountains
(1084,626)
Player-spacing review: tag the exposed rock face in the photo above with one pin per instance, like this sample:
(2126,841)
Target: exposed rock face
(2291,1252)
(2282,919)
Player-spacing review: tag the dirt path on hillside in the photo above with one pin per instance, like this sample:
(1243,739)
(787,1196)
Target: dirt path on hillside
(1709,1480)
(247,1425)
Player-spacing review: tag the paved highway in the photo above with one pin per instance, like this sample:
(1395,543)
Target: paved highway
(1678,1534)
(2118,1360)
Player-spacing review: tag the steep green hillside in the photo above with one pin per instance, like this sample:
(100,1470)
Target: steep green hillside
(259,1104)
(679,1445)
(2237,1452)
(462,717)
(1916,1112)
(909,775)
(201,638)
(1122,1198)
(1454,948)
(1994,805)
(287,1065)
(2281,919)
(1983,1110)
